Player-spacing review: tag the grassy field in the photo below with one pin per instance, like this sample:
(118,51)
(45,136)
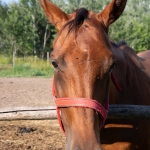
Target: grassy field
(25,67)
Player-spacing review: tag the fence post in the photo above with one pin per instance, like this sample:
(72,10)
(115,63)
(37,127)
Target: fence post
(47,58)
(14,57)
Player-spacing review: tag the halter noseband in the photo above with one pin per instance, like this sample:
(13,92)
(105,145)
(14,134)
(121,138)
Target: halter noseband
(83,102)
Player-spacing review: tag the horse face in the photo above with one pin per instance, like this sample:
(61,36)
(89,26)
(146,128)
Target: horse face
(82,59)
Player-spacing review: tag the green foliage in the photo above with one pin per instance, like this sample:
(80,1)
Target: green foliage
(70,5)
(23,27)
(134,25)
(25,67)
(24,71)
(4,60)
(25,30)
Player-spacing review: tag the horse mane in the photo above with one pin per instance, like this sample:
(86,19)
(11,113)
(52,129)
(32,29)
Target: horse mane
(120,43)
(74,24)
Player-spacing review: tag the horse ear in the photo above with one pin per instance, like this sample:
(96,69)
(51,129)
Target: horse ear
(112,11)
(54,14)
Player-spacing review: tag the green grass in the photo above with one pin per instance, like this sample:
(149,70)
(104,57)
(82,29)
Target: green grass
(27,67)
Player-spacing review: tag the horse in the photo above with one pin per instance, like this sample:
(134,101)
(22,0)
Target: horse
(91,72)
(145,59)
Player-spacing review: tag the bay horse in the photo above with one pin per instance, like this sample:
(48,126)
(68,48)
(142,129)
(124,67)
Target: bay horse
(91,72)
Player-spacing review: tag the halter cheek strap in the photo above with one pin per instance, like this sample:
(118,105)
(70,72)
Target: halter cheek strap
(83,102)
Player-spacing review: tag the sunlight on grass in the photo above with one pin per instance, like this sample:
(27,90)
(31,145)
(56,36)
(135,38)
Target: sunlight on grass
(25,67)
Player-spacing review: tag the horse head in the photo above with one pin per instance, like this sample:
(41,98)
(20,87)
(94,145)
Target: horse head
(83,59)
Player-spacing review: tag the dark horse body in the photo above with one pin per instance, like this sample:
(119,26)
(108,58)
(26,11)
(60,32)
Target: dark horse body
(83,58)
(134,77)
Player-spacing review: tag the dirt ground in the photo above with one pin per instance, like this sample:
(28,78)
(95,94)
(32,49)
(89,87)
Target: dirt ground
(19,92)
(34,135)
(28,134)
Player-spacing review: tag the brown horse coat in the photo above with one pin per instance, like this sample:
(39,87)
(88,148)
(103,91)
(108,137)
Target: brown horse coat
(145,60)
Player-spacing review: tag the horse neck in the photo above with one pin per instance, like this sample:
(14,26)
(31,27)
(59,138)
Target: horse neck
(131,77)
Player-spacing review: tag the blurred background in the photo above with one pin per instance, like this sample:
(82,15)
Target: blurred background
(26,36)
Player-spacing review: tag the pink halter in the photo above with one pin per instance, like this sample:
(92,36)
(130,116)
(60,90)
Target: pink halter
(83,102)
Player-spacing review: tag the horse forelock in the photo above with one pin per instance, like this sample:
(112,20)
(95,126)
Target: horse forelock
(74,24)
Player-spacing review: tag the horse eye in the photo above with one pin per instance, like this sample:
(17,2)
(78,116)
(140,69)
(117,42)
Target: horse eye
(55,65)
(113,65)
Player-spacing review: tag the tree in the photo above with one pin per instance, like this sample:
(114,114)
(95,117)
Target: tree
(25,30)
(134,25)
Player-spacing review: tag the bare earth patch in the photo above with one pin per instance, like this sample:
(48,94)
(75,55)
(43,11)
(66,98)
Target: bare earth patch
(34,135)
(28,134)
(16,92)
